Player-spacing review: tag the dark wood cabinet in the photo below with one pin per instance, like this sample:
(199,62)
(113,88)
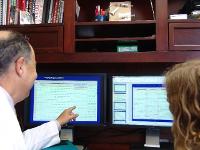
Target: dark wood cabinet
(88,41)
(43,38)
(83,40)
(184,35)
(105,36)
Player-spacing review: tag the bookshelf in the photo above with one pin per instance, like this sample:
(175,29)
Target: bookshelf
(105,36)
(84,40)
(99,44)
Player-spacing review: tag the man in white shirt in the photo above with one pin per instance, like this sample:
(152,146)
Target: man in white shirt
(17,74)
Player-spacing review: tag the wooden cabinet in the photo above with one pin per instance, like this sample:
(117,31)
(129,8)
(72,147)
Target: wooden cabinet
(95,42)
(105,36)
(184,35)
(43,38)
(87,41)
(83,40)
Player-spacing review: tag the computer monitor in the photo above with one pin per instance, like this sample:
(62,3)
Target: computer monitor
(51,94)
(140,101)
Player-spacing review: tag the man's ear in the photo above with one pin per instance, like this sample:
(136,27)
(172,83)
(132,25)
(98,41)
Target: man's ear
(19,66)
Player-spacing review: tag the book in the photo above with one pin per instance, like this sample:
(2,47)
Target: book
(60,11)
(38,11)
(12,12)
(8,12)
(25,17)
(1,12)
(54,11)
(50,11)
(4,12)
(45,9)
(16,17)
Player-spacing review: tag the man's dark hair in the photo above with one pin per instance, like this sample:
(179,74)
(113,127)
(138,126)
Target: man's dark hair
(11,48)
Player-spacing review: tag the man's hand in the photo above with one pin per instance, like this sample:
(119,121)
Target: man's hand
(67,115)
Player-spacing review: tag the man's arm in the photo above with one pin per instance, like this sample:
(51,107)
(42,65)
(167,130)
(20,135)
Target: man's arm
(48,134)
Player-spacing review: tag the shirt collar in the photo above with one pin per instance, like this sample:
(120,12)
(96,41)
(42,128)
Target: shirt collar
(10,99)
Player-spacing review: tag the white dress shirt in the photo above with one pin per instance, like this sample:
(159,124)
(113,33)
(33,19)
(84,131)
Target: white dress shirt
(11,136)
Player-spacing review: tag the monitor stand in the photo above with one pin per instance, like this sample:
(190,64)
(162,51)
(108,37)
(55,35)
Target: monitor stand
(152,137)
(66,135)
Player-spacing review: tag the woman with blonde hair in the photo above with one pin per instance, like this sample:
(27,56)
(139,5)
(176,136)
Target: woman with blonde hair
(183,93)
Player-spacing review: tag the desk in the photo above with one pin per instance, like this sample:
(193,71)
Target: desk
(163,146)
(64,145)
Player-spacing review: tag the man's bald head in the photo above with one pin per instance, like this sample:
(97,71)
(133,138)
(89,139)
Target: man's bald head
(12,46)
(4,35)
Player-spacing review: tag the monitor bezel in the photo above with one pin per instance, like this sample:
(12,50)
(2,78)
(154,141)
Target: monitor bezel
(110,111)
(102,79)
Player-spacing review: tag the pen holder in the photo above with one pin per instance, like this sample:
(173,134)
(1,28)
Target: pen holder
(100,18)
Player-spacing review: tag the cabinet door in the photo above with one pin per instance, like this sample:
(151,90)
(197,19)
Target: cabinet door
(44,39)
(184,36)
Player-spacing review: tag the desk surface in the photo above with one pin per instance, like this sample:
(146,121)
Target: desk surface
(62,146)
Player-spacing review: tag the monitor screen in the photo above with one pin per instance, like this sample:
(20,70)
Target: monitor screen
(140,100)
(51,94)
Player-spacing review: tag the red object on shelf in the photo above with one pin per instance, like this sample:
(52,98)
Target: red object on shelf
(22,5)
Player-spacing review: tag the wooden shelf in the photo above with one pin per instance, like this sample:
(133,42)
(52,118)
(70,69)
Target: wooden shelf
(105,57)
(115,39)
(184,21)
(115,22)
(33,25)
(104,36)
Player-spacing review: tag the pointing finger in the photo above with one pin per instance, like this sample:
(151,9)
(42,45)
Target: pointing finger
(72,108)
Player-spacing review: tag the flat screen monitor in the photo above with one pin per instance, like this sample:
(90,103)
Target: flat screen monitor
(140,101)
(51,94)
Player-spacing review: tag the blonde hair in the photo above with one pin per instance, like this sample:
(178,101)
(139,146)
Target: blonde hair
(183,93)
